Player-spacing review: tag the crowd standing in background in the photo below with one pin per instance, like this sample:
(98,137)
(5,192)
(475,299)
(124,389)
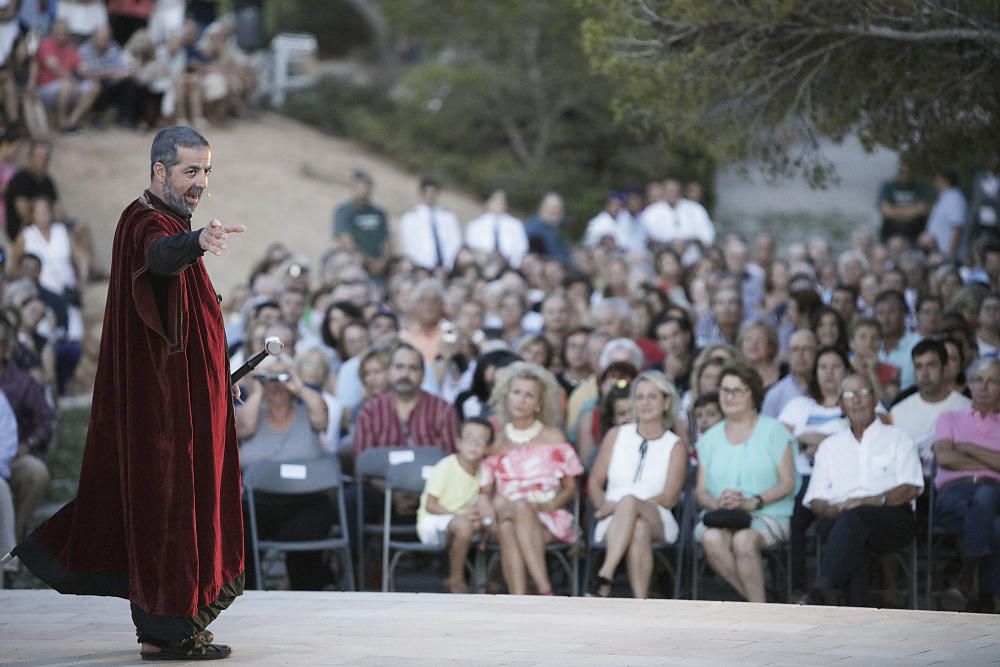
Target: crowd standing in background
(797,392)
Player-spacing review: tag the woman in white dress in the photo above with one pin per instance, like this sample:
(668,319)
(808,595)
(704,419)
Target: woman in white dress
(643,465)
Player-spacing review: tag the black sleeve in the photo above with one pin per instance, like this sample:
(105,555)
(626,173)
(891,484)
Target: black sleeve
(170,255)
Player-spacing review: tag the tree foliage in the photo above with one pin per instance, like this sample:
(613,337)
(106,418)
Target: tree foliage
(508,85)
(765,79)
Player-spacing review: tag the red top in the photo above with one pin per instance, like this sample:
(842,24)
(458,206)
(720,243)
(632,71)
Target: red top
(432,423)
(140,9)
(66,55)
(157,517)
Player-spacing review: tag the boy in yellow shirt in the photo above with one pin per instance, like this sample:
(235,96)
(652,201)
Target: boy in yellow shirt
(448,506)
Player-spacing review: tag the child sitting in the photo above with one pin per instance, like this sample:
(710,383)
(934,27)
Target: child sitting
(707,412)
(448,506)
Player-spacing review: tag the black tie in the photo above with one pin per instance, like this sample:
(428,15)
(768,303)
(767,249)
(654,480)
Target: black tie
(438,255)
(496,234)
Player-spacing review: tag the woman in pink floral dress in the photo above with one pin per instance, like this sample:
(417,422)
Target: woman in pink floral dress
(530,477)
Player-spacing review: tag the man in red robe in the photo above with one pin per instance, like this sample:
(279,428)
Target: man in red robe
(157,518)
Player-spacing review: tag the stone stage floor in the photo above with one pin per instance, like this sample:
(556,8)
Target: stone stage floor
(283,628)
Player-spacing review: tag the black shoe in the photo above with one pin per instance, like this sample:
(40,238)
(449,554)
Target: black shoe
(815,596)
(600,587)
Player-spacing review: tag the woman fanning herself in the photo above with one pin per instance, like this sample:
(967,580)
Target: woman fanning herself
(745,467)
(530,478)
(643,465)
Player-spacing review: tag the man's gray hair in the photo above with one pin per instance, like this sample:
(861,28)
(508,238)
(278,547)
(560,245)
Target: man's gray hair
(168,140)
(615,344)
(429,284)
(983,363)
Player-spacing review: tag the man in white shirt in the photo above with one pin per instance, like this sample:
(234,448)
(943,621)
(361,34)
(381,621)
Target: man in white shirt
(947,218)
(631,233)
(8,450)
(429,235)
(917,414)
(863,483)
(496,231)
(660,217)
(603,227)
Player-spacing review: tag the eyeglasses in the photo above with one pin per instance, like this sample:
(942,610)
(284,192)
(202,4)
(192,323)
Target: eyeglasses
(850,395)
(735,392)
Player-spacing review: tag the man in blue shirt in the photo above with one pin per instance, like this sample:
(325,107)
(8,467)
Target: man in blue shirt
(543,229)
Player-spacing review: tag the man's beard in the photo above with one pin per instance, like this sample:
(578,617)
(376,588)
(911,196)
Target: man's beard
(176,200)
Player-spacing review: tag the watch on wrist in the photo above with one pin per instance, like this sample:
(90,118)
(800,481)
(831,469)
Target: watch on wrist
(760,501)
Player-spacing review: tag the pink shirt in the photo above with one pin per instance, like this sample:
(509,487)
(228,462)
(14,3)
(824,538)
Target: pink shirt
(967,426)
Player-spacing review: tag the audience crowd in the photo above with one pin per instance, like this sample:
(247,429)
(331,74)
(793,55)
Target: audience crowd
(67,64)
(798,395)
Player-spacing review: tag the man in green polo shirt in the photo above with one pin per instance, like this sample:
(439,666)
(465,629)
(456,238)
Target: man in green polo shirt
(360,225)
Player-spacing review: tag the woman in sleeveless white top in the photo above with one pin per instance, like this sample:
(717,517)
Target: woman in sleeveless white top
(643,474)
(643,465)
(50,241)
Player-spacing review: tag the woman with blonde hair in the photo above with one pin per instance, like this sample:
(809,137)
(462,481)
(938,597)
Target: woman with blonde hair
(530,476)
(643,464)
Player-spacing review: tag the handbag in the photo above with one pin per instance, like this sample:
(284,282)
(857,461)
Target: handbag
(732,519)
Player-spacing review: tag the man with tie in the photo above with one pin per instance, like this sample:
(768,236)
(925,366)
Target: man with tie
(430,236)
(496,231)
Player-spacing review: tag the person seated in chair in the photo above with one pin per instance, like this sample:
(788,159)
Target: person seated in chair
(281,420)
(864,480)
(644,464)
(968,481)
(449,506)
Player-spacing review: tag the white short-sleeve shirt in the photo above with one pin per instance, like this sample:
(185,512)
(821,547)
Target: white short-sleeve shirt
(885,458)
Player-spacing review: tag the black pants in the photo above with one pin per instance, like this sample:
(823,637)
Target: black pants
(850,538)
(802,518)
(293,518)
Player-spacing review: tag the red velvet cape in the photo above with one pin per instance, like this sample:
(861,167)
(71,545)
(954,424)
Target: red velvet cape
(157,518)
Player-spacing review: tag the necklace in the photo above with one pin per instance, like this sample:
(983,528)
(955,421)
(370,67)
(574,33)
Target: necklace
(520,436)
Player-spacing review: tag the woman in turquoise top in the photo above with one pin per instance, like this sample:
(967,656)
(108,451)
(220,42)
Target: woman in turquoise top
(745,462)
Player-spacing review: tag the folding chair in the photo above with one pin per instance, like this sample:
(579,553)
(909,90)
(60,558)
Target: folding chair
(409,477)
(566,555)
(778,557)
(374,463)
(905,557)
(292,478)
(661,549)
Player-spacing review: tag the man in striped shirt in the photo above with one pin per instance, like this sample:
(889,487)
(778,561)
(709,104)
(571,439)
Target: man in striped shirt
(405,416)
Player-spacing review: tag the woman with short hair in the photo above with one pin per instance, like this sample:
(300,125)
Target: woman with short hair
(746,465)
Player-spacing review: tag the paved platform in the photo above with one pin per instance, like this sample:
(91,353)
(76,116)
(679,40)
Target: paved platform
(282,628)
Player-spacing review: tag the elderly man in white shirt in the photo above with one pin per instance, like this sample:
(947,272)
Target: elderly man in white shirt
(864,481)
(429,235)
(8,450)
(497,231)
